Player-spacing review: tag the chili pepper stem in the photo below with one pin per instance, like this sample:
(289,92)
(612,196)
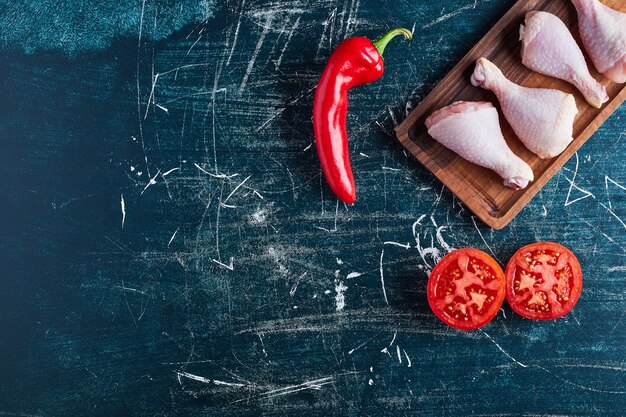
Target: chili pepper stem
(381,43)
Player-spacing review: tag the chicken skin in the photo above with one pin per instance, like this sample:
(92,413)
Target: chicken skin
(472,130)
(543,119)
(603,31)
(549,48)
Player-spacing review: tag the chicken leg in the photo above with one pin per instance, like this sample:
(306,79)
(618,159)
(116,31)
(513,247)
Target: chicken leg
(472,130)
(542,118)
(603,31)
(548,47)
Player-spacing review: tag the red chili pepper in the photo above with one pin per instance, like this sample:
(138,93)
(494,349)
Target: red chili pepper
(356,61)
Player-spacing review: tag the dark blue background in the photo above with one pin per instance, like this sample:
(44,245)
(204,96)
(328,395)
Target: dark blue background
(146,320)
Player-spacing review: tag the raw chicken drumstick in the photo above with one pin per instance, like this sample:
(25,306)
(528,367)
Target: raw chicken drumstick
(542,118)
(548,47)
(472,130)
(603,31)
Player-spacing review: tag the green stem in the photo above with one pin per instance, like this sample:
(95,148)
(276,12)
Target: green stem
(381,43)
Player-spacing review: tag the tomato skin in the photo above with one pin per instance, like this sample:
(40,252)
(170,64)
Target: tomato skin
(442,297)
(525,281)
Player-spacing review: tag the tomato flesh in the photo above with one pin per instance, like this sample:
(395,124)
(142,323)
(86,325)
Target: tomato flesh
(466,289)
(543,281)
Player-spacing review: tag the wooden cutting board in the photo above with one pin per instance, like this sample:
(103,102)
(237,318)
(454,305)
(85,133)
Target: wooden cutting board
(480,189)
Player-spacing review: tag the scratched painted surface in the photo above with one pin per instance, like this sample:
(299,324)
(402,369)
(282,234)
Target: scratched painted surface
(169,248)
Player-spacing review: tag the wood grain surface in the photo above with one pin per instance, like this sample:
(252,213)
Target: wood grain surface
(480,189)
(168,246)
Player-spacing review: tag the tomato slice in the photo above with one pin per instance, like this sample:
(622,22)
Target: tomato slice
(466,289)
(543,281)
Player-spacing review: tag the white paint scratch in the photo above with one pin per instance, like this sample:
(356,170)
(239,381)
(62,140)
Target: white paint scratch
(230,266)
(340,298)
(452,14)
(424,252)
(216,79)
(232,49)
(209,381)
(172,238)
(327,25)
(155,77)
(405,246)
(221,176)
(255,54)
(282,52)
(151,182)
(502,350)
(228,384)
(609,238)
(294,288)
(281,110)
(262,344)
(124,288)
(123,205)
(483,239)
(235,189)
(586,194)
(382,276)
(608,179)
(439,236)
(194,377)
(585,388)
(616,268)
(614,215)
(352,275)
(165,174)
(409,364)
(588,366)
(143,7)
(618,321)
(193,45)
(316,384)
(275,115)
(393,339)
(393,117)
(351,21)
(334,229)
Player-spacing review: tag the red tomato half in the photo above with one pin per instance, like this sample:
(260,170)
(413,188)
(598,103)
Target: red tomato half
(543,281)
(466,289)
